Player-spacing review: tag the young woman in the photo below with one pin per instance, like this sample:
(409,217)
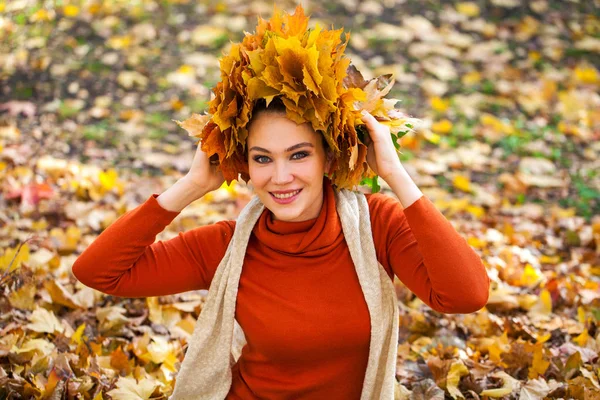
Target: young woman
(316,324)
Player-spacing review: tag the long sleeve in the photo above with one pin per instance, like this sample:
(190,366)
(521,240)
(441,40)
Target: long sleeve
(124,259)
(428,255)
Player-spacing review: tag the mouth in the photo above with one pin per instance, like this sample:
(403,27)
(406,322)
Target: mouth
(286,197)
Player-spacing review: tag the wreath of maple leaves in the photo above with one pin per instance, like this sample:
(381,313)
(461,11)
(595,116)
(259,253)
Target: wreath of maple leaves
(308,70)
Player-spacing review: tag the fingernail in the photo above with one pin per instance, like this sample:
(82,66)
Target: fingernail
(364,112)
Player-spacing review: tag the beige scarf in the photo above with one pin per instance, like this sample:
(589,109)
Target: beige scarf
(206,369)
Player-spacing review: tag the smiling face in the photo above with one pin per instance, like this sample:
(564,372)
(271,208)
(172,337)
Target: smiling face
(286,163)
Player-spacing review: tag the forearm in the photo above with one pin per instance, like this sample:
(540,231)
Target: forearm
(120,246)
(451,277)
(180,195)
(403,186)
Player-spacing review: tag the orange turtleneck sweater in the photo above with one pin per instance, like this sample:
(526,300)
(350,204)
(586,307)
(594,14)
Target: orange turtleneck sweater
(299,301)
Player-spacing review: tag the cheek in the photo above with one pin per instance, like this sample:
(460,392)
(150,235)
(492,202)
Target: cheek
(258,176)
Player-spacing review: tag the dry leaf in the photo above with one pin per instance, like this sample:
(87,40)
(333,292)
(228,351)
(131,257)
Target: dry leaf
(43,320)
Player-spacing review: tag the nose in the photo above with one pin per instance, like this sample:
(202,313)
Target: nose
(282,174)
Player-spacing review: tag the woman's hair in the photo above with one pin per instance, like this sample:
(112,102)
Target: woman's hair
(276,106)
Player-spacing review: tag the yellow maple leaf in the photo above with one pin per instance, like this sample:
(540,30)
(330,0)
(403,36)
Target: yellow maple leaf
(71,10)
(544,259)
(496,124)
(439,104)
(468,8)
(23,298)
(476,242)
(457,370)
(476,211)
(42,15)
(40,346)
(497,347)
(530,276)
(66,240)
(108,179)
(543,338)
(581,315)
(586,74)
(534,55)
(509,385)
(129,389)
(539,364)
(161,351)
(471,78)
(186,69)
(462,183)
(12,258)
(444,126)
(582,339)
(78,334)
(119,42)
(60,294)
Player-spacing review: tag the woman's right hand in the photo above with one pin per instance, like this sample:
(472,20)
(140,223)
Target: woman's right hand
(204,175)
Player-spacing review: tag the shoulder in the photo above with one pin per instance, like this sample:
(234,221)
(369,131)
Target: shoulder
(385,212)
(226,227)
(218,233)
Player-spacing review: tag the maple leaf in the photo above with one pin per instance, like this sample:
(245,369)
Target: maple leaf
(457,371)
(60,295)
(12,258)
(120,362)
(130,389)
(537,389)
(308,70)
(40,346)
(509,385)
(43,320)
(426,389)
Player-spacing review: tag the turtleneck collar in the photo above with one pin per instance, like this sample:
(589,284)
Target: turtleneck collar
(312,237)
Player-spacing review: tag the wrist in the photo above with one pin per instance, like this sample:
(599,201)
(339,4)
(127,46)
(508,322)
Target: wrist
(180,195)
(394,173)
(192,186)
(403,186)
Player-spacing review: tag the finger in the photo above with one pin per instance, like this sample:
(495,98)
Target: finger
(368,119)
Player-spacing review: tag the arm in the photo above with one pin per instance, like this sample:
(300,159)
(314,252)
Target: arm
(421,246)
(428,255)
(125,261)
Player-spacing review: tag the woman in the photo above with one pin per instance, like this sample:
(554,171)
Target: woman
(316,325)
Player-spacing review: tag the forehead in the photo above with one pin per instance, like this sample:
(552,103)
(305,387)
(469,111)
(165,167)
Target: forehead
(276,131)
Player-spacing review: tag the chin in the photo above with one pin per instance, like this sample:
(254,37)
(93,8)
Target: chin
(286,215)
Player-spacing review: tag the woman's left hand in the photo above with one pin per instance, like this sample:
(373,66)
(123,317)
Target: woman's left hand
(381,152)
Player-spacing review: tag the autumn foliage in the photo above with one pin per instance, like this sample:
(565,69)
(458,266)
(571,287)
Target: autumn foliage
(508,149)
(308,70)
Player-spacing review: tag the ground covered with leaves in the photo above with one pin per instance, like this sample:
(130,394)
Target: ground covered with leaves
(508,149)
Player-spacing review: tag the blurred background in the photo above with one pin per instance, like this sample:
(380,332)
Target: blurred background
(508,149)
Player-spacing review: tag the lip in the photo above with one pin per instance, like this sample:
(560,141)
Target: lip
(284,191)
(285,201)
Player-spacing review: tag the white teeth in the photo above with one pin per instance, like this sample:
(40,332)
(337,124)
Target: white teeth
(286,196)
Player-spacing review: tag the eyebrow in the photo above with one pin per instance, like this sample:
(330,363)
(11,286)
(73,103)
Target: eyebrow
(294,147)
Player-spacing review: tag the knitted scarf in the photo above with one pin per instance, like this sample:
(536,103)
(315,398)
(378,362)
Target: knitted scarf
(206,369)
